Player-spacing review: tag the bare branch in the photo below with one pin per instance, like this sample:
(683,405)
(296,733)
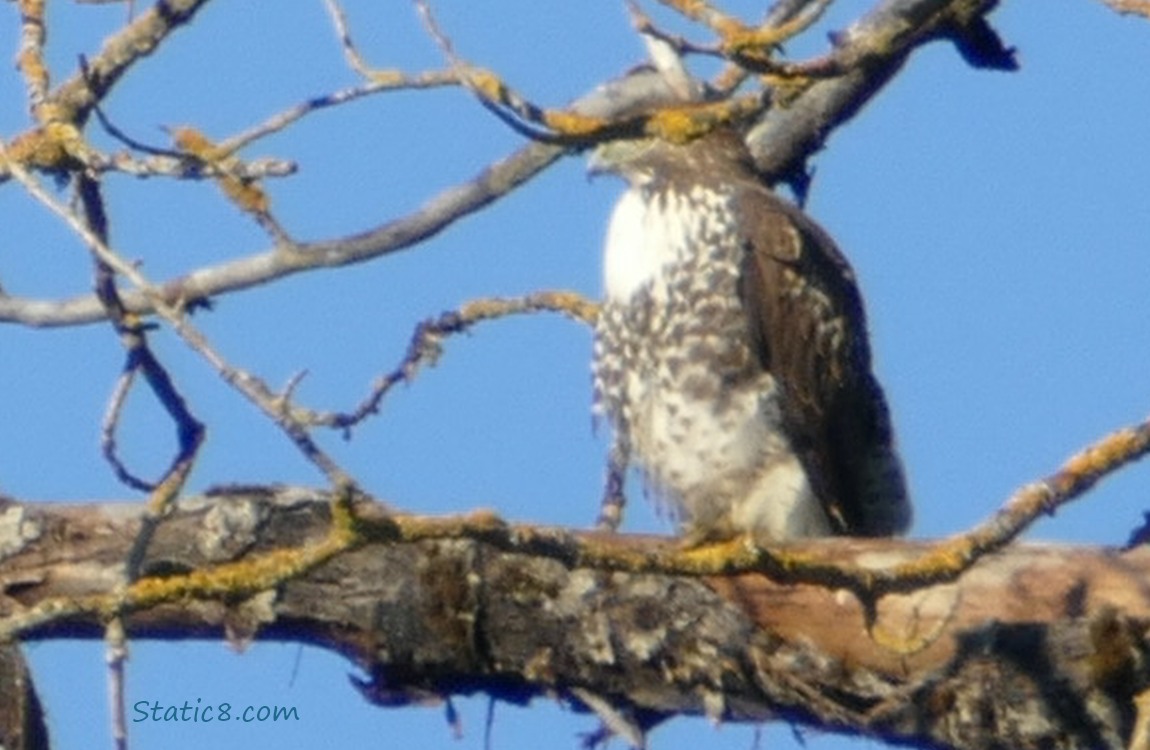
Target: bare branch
(117,654)
(378,80)
(249,386)
(381,81)
(1130,7)
(435,215)
(782,141)
(560,127)
(427,346)
(643,24)
(867,55)
(30,58)
(182,168)
(743,43)
(244,193)
(108,428)
(140,38)
(704,13)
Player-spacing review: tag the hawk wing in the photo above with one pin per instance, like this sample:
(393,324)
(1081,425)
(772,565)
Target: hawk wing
(808,329)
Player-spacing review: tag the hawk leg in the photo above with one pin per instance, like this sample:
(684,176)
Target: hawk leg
(611,506)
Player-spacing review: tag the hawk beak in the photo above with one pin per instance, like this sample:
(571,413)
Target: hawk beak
(596,163)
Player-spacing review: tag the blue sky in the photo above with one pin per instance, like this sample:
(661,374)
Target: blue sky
(998,223)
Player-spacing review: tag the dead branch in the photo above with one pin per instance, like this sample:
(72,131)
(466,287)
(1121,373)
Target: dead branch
(427,346)
(1059,631)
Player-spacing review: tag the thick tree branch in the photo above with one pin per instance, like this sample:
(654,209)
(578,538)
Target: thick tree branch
(866,56)
(1059,631)
(86,89)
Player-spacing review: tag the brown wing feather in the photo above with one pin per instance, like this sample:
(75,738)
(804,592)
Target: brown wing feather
(808,328)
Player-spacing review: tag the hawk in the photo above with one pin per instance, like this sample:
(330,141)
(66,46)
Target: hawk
(731,354)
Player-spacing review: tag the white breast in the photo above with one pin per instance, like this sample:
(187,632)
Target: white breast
(640,243)
(707,431)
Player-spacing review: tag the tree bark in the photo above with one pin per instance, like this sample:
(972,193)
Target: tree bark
(1039,646)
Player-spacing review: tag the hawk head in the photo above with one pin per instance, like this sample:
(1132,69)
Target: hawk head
(642,161)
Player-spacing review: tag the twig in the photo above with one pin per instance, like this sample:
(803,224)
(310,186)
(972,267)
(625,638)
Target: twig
(249,386)
(427,346)
(571,128)
(350,51)
(116,655)
(644,24)
(108,432)
(739,39)
(1130,7)
(616,722)
(381,81)
(748,48)
(759,43)
(138,358)
(488,722)
(704,13)
(245,194)
(183,168)
(30,58)
(551,126)
(377,80)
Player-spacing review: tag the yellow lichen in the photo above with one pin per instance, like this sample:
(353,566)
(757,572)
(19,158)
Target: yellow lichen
(194,143)
(685,123)
(387,77)
(245,193)
(786,88)
(573,124)
(55,146)
(488,85)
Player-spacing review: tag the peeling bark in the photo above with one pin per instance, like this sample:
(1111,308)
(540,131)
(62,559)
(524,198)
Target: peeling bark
(1039,646)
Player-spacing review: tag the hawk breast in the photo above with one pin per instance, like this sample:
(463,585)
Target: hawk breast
(675,371)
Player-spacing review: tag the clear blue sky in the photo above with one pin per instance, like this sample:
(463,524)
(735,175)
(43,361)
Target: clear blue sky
(999,225)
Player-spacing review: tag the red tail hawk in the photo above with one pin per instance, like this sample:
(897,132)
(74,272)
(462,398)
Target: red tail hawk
(731,354)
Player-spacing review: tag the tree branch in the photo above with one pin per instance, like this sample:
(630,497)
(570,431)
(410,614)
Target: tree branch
(866,56)
(1059,630)
(875,49)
